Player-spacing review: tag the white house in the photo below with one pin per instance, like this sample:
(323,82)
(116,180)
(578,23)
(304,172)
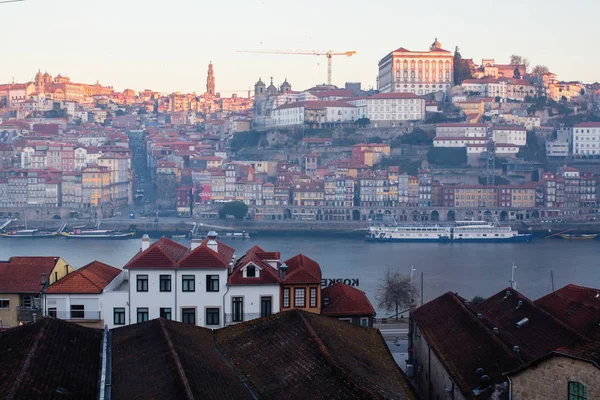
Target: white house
(586,139)
(313,112)
(254,286)
(93,295)
(168,280)
(385,109)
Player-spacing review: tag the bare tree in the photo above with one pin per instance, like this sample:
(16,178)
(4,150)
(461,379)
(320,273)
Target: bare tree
(540,70)
(516,60)
(395,292)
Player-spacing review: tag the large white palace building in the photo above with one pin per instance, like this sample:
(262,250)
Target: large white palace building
(418,72)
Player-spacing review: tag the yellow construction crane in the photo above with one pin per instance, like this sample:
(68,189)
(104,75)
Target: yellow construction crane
(329,54)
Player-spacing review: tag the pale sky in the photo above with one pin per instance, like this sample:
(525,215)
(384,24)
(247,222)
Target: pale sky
(167,45)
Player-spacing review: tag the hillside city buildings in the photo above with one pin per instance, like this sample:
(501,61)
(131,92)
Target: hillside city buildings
(325,153)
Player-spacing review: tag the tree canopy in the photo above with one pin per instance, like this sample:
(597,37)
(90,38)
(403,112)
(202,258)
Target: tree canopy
(237,209)
(462,70)
(540,70)
(395,293)
(447,156)
(518,60)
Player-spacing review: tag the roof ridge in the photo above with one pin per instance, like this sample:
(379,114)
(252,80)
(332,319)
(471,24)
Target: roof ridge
(91,281)
(176,360)
(27,362)
(323,350)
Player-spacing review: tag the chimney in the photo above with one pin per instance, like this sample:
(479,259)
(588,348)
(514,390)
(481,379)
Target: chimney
(44,279)
(212,235)
(516,349)
(145,242)
(196,243)
(282,271)
(213,245)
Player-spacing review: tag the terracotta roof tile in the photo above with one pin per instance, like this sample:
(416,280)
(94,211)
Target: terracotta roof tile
(51,359)
(302,269)
(202,257)
(297,354)
(24,274)
(164,253)
(343,299)
(92,278)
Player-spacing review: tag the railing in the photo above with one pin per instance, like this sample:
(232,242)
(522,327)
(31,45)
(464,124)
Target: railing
(229,318)
(28,314)
(76,315)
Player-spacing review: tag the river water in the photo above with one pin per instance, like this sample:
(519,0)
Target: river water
(467,268)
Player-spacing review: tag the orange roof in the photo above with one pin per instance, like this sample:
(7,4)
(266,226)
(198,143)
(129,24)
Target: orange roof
(92,278)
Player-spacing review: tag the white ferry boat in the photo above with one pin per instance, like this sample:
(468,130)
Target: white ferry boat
(461,231)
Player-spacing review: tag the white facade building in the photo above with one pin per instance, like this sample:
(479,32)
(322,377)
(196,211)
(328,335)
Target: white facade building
(418,72)
(586,139)
(94,295)
(390,108)
(313,112)
(509,135)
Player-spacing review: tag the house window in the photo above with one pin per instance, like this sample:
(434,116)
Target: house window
(212,316)
(188,283)
(300,297)
(4,303)
(77,311)
(188,316)
(266,306)
(364,322)
(165,283)
(142,283)
(142,314)
(237,308)
(27,302)
(212,283)
(577,391)
(286,297)
(313,297)
(165,313)
(119,316)
(250,271)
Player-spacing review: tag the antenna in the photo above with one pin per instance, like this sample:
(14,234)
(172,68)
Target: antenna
(513,283)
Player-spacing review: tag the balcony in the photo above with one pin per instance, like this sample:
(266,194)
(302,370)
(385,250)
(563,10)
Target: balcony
(76,315)
(28,315)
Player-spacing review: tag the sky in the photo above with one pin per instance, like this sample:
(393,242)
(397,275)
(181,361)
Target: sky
(166,45)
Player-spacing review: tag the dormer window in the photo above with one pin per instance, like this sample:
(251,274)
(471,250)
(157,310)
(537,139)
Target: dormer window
(251,271)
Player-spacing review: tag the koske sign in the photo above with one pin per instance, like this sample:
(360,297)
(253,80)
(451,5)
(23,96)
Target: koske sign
(350,282)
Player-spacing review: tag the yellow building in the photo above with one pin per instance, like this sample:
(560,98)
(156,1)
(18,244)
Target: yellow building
(523,196)
(22,284)
(471,107)
(95,180)
(475,196)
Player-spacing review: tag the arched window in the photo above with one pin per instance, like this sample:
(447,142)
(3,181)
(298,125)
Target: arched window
(397,64)
(412,64)
(397,73)
(433,65)
(577,391)
(420,64)
(405,64)
(427,64)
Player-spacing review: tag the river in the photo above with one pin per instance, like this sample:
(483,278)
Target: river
(467,268)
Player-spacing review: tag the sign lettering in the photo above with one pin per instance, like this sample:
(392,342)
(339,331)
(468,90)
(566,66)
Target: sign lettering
(354,282)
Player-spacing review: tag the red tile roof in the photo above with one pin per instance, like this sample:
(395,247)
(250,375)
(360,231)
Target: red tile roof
(542,333)
(588,125)
(463,343)
(92,278)
(301,355)
(24,274)
(203,257)
(576,306)
(164,253)
(256,256)
(343,299)
(302,269)
(380,96)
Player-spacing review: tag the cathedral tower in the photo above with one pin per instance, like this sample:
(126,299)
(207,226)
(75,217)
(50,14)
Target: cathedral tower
(210,80)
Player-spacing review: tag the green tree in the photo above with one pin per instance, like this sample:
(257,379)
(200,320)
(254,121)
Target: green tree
(582,91)
(119,112)
(237,209)
(395,293)
(462,70)
(363,122)
(375,139)
(447,156)
(477,300)
(517,73)
(142,111)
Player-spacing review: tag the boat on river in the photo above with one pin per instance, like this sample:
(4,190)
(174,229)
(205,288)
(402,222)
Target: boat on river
(569,236)
(97,234)
(460,231)
(28,233)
